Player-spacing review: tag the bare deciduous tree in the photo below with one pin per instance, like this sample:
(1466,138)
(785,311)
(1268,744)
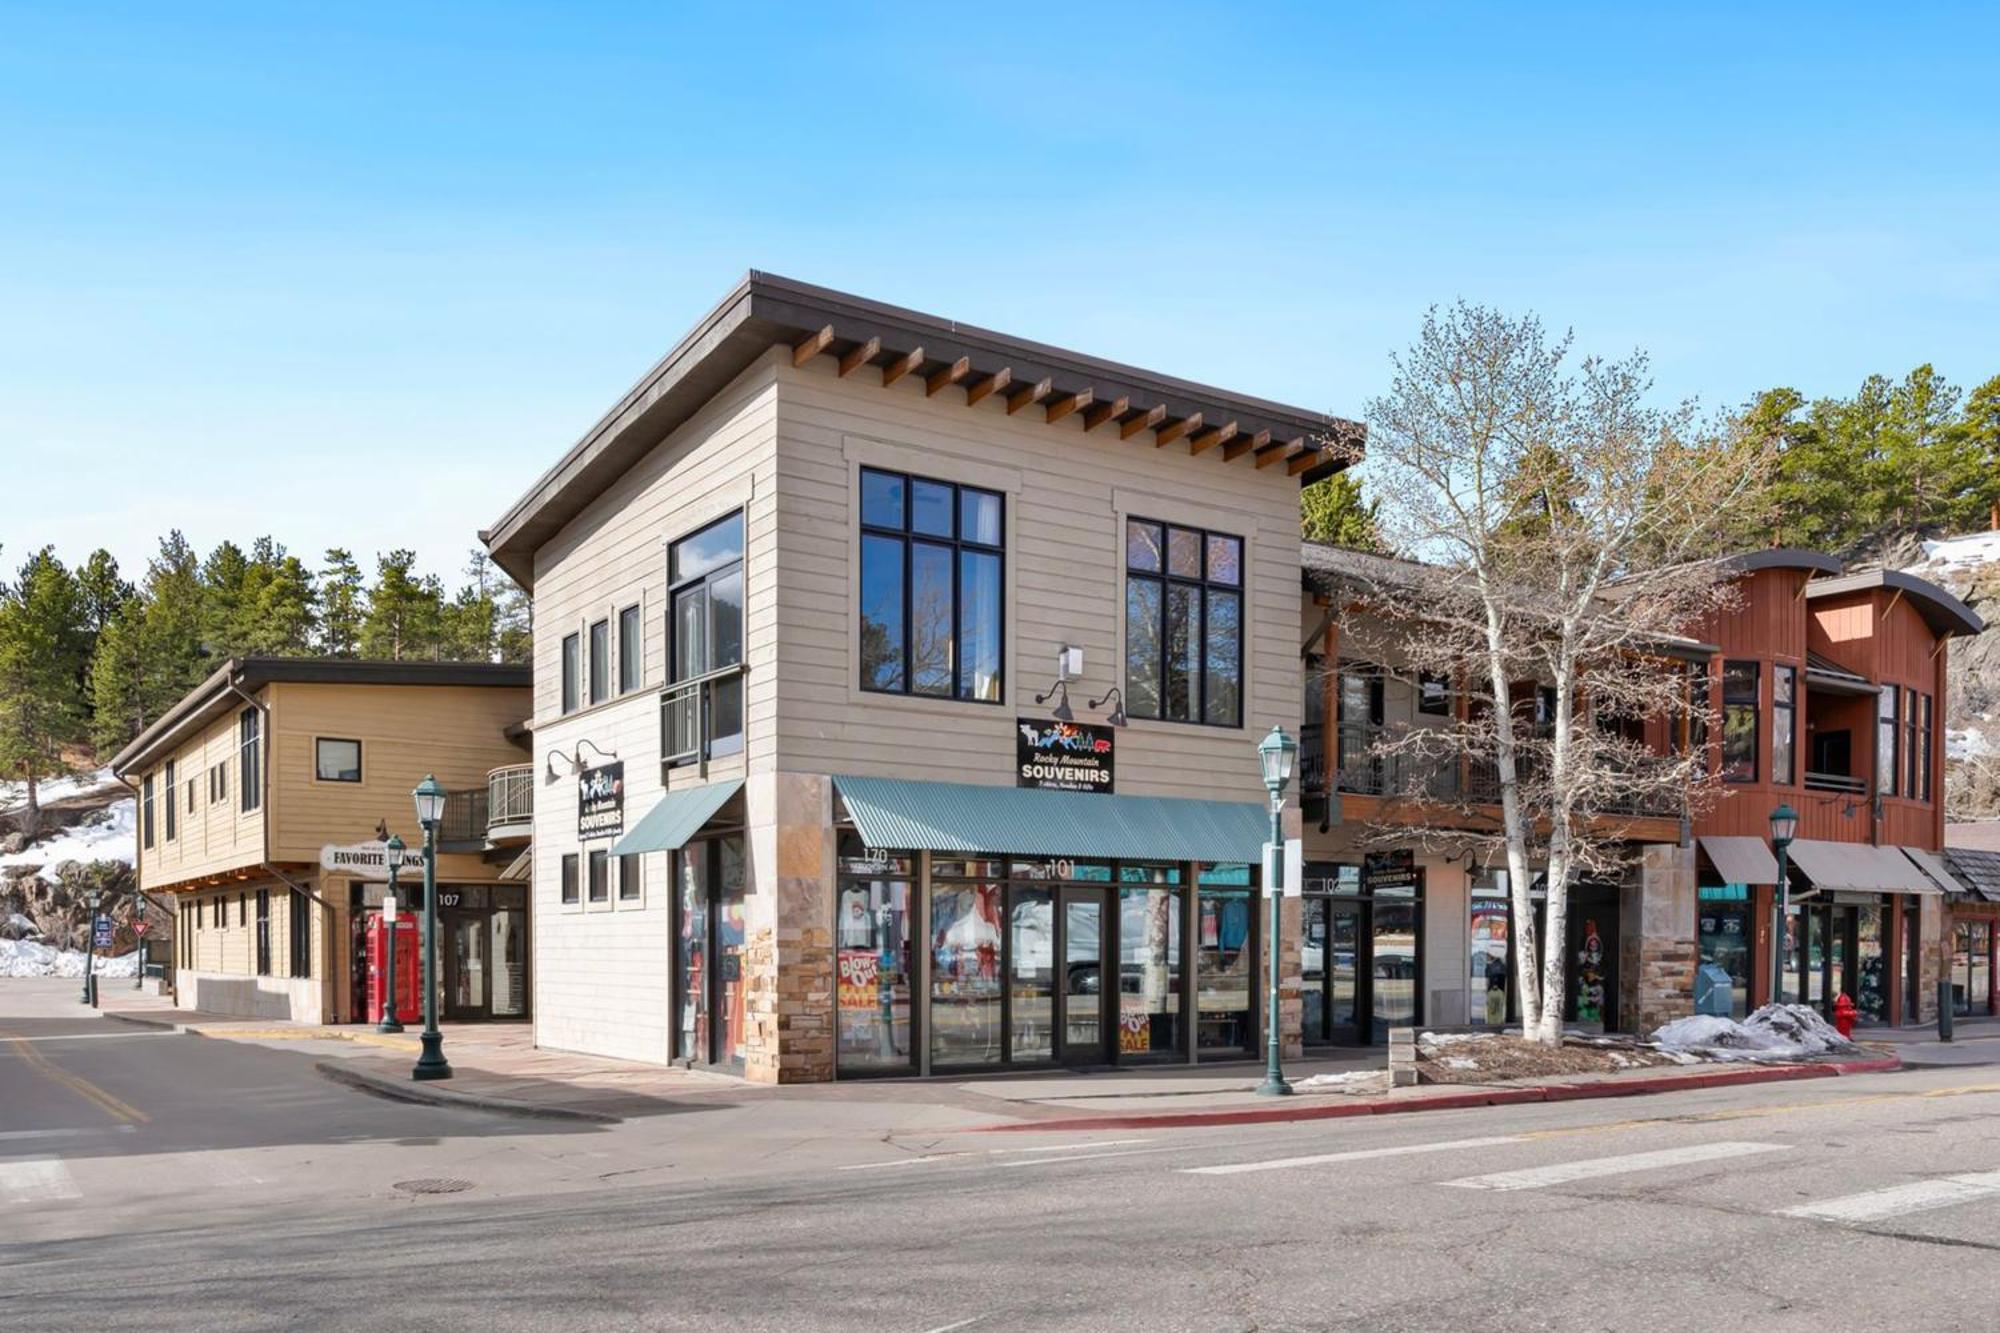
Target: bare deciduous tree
(1560,534)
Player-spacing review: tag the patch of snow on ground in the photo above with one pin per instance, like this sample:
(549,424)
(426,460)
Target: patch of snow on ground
(111,840)
(29,958)
(1449,1062)
(1966,743)
(18,927)
(14,793)
(1345,1076)
(1432,1040)
(1775,1032)
(1962,553)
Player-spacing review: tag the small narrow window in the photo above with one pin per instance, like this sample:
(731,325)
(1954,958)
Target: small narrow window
(1887,732)
(1741,685)
(600,877)
(1784,723)
(1924,741)
(1913,785)
(631,650)
(600,661)
(336,760)
(569,886)
(250,779)
(629,870)
(572,666)
(169,802)
(1433,695)
(146,811)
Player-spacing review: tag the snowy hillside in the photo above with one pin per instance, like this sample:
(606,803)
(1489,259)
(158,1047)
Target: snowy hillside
(112,838)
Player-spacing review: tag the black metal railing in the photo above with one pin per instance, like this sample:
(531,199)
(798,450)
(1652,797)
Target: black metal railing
(510,796)
(464,818)
(1356,762)
(1840,782)
(688,714)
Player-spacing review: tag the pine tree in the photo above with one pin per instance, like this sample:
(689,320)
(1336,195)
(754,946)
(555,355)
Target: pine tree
(103,592)
(1333,510)
(278,607)
(1981,424)
(405,611)
(223,576)
(171,645)
(118,675)
(1928,453)
(44,643)
(343,604)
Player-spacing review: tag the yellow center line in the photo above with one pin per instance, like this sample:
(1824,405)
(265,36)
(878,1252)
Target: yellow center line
(76,1083)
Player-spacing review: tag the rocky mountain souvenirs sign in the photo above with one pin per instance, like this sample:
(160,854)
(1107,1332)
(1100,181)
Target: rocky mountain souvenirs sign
(1062,756)
(600,801)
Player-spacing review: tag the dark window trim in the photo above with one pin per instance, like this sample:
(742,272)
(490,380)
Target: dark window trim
(146,812)
(598,669)
(1198,689)
(958,545)
(263,932)
(1785,716)
(299,935)
(731,743)
(249,739)
(631,880)
(632,635)
(1755,704)
(1888,777)
(599,876)
(170,784)
(360,771)
(571,672)
(572,891)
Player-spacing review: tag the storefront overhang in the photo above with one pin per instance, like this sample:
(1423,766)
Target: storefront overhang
(1858,867)
(1938,873)
(678,817)
(902,814)
(1741,860)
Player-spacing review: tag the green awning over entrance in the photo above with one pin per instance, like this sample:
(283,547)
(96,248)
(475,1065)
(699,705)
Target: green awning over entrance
(678,817)
(895,813)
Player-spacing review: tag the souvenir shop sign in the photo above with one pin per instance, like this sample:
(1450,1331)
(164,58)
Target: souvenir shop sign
(1062,756)
(600,801)
(1389,870)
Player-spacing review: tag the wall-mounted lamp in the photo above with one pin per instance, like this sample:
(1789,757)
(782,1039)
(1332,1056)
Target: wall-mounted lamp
(602,753)
(1060,692)
(1117,718)
(550,767)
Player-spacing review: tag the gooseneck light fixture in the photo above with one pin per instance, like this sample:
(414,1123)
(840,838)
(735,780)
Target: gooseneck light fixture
(1117,718)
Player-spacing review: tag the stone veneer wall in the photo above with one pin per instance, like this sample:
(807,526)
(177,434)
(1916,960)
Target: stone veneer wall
(788,949)
(1657,951)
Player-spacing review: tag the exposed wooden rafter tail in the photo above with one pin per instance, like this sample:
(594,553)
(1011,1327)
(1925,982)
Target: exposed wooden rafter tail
(902,366)
(858,356)
(1172,431)
(1068,403)
(1145,421)
(1214,435)
(991,384)
(950,375)
(805,351)
(1271,453)
(1244,444)
(1029,396)
(1104,412)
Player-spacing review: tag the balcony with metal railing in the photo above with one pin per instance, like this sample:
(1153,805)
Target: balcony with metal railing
(510,804)
(701,718)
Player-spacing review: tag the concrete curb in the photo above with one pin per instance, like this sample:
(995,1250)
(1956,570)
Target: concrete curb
(1450,1101)
(429,1094)
(159,1024)
(383,1041)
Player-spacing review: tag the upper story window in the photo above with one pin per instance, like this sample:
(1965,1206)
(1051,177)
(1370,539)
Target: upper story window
(1697,718)
(600,661)
(250,774)
(169,802)
(1784,724)
(1913,757)
(932,565)
(1740,689)
(631,651)
(146,811)
(336,760)
(1887,734)
(1183,624)
(572,673)
(1924,748)
(705,623)
(1433,695)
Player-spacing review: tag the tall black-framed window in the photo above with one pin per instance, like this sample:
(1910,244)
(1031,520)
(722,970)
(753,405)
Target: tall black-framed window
(263,932)
(569,884)
(1784,724)
(572,672)
(600,661)
(1183,624)
(705,623)
(1924,747)
(299,935)
(169,802)
(1887,734)
(1697,718)
(933,567)
(876,1029)
(1912,753)
(250,760)
(631,651)
(146,811)
(1740,687)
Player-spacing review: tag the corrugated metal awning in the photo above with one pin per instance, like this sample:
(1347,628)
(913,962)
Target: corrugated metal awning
(1858,867)
(896,813)
(1939,873)
(1741,860)
(678,817)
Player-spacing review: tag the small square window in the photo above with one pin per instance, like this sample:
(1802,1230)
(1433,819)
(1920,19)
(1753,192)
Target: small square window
(881,499)
(569,886)
(979,517)
(930,508)
(628,879)
(1225,560)
(336,760)
(600,877)
(1143,543)
(1183,553)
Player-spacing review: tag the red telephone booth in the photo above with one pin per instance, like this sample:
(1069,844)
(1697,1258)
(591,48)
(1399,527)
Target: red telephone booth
(409,990)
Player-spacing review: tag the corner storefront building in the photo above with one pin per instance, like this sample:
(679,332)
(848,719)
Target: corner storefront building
(897,692)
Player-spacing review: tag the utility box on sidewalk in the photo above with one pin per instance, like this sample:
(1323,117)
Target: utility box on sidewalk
(408,989)
(1714,991)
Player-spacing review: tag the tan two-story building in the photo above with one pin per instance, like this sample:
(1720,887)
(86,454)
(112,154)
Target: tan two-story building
(243,783)
(897,691)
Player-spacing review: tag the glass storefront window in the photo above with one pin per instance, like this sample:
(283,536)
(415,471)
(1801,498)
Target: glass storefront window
(965,974)
(1971,967)
(1031,976)
(873,964)
(1312,970)
(1722,938)
(692,1040)
(1871,991)
(729,942)
(1488,937)
(1149,970)
(1225,965)
(1395,964)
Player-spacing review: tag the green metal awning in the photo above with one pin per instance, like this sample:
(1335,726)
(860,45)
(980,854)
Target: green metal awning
(895,813)
(678,817)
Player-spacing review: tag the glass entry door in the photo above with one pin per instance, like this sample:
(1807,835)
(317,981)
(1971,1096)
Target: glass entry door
(465,965)
(1084,937)
(709,989)
(1333,967)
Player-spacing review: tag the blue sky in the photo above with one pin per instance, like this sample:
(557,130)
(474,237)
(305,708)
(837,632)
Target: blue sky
(358,272)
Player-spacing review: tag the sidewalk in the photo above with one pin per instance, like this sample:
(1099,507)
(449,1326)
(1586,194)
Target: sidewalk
(1975,1041)
(497,1067)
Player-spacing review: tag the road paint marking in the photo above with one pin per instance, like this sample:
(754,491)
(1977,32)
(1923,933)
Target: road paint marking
(1896,1200)
(95,1036)
(905,1161)
(1562,1173)
(1359,1155)
(1070,1147)
(76,1083)
(963,1323)
(36,1180)
(7,1135)
(1087,1157)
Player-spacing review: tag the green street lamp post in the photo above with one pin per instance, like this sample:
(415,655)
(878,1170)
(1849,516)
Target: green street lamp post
(431,1064)
(1277,755)
(1784,826)
(391,1020)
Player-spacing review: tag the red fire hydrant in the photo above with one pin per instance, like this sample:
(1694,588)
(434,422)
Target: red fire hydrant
(1843,1015)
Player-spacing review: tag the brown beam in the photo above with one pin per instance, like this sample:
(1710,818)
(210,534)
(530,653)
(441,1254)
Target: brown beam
(1243,444)
(857,357)
(1168,434)
(1029,396)
(1068,403)
(1103,412)
(902,366)
(1211,437)
(992,384)
(811,347)
(1150,419)
(1271,453)
(1301,461)
(951,374)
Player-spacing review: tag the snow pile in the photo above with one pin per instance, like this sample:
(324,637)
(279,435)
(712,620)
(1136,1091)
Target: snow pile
(1432,1040)
(1966,743)
(14,794)
(1961,553)
(111,838)
(30,958)
(1775,1032)
(18,927)
(1341,1079)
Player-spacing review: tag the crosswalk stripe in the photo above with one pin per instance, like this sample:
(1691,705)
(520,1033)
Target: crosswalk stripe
(1358,1155)
(1896,1200)
(36,1180)
(1540,1177)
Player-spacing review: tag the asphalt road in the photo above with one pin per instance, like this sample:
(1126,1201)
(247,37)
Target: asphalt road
(166,1182)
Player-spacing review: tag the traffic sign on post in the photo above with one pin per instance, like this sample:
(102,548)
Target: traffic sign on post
(102,937)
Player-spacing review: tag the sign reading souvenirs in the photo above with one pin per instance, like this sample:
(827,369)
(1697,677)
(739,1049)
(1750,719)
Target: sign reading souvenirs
(366,860)
(1390,870)
(1062,756)
(600,801)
